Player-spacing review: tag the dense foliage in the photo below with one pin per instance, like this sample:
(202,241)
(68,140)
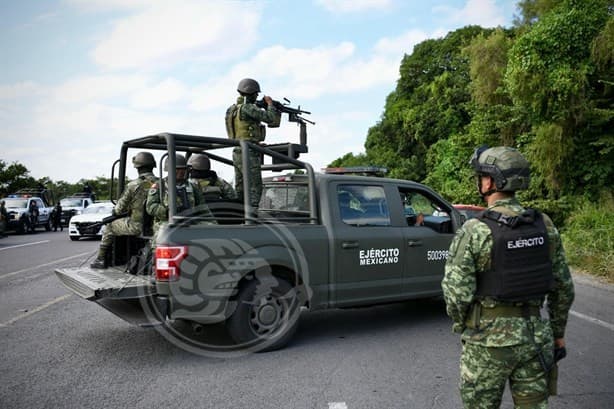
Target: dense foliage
(545,86)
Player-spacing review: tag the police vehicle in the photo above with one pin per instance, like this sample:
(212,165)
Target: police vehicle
(18,207)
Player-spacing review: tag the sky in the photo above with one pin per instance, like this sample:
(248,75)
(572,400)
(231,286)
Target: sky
(79,77)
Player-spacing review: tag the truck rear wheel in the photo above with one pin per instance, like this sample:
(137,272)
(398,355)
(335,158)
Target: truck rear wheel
(267,314)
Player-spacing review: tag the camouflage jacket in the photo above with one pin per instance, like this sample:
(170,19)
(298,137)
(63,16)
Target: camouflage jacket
(132,200)
(215,187)
(247,124)
(159,210)
(470,253)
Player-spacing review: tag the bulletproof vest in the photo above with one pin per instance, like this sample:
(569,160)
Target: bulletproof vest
(209,188)
(183,198)
(239,127)
(521,268)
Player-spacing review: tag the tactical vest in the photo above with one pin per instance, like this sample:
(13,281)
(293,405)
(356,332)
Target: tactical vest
(521,268)
(243,128)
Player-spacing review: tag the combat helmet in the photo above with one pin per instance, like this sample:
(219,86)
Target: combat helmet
(199,162)
(180,162)
(144,160)
(248,86)
(508,168)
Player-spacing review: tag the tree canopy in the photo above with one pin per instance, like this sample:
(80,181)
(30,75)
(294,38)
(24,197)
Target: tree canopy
(544,86)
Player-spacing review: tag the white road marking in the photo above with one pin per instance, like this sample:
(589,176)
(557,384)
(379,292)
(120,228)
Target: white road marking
(337,405)
(593,320)
(43,265)
(24,245)
(35,310)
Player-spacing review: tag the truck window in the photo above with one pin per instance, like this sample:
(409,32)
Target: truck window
(290,197)
(420,210)
(363,205)
(15,203)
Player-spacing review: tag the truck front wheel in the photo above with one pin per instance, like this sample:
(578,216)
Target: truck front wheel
(266,315)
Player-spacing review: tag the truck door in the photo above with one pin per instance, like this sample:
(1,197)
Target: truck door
(427,236)
(368,262)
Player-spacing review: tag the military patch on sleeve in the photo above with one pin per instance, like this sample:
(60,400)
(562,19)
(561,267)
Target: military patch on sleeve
(454,245)
(458,246)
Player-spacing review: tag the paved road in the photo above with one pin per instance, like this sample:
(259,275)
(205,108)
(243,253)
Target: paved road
(57,350)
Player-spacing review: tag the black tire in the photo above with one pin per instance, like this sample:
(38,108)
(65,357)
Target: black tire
(266,315)
(74,238)
(48,225)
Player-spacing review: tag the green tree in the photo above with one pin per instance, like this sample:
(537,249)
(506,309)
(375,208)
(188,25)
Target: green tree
(14,177)
(550,75)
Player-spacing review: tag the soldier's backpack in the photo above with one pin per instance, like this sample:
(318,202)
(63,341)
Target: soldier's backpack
(230,118)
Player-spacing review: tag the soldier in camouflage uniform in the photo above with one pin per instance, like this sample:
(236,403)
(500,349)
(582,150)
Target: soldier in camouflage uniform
(211,185)
(189,198)
(502,266)
(132,202)
(243,121)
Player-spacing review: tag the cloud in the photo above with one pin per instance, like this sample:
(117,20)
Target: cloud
(169,32)
(404,43)
(164,93)
(484,13)
(302,73)
(353,6)
(19,90)
(98,87)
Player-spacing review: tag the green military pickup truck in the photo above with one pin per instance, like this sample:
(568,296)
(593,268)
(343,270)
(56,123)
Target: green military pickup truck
(316,241)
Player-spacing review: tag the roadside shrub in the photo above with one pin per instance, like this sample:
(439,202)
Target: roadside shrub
(588,237)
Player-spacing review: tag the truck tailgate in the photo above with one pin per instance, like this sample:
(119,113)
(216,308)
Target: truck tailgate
(94,284)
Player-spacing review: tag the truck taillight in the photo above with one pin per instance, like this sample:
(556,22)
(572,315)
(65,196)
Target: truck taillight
(167,262)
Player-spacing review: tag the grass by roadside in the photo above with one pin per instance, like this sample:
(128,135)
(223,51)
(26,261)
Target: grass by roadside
(588,238)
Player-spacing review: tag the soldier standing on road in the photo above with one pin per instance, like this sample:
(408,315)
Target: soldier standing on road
(211,185)
(502,266)
(56,217)
(189,198)
(243,121)
(4,219)
(33,216)
(132,203)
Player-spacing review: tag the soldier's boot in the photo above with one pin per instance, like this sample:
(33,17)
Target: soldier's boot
(102,261)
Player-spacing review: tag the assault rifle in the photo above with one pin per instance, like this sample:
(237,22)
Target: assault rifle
(93,228)
(294,115)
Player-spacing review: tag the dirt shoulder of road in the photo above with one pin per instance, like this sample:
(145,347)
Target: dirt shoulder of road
(588,279)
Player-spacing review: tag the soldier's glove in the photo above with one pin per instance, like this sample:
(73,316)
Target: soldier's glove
(559,353)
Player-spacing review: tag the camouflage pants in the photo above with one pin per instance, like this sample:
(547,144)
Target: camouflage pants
(255,176)
(485,371)
(119,227)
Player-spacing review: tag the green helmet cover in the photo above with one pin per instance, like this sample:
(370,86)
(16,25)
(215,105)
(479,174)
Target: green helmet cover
(507,166)
(200,162)
(180,162)
(248,86)
(144,160)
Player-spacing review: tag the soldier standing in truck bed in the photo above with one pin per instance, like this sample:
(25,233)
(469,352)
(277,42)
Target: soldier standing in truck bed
(244,121)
